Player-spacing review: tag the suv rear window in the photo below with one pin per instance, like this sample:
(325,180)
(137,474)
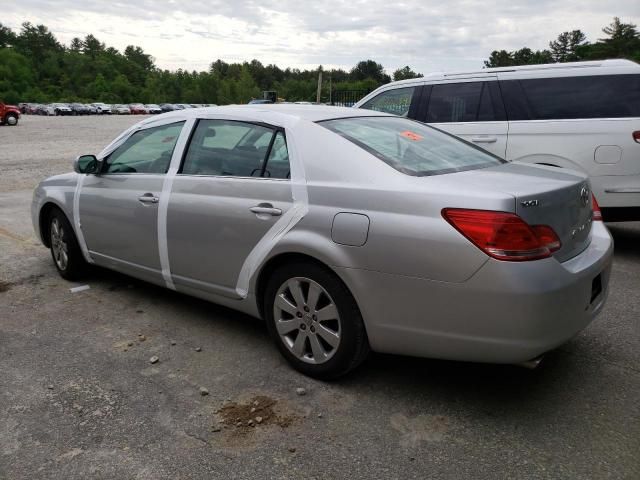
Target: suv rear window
(603,96)
(411,147)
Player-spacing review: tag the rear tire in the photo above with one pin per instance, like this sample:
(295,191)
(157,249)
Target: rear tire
(65,251)
(314,320)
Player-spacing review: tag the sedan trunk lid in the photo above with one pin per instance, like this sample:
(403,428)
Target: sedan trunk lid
(543,195)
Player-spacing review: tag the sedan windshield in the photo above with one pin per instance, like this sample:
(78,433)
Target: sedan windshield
(411,147)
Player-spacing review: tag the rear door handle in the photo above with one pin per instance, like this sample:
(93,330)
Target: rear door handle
(484,139)
(266,209)
(148,198)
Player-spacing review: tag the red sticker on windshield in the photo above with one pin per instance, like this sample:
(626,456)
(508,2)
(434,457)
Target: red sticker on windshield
(411,135)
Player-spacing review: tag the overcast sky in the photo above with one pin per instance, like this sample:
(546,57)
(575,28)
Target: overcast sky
(428,35)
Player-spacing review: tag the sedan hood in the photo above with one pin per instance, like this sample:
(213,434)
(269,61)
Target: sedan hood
(543,195)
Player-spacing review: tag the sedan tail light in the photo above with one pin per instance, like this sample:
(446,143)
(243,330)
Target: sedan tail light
(597,214)
(502,235)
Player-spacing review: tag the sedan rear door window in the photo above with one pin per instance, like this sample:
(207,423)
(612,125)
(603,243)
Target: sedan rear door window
(278,162)
(227,148)
(411,147)
(146,151)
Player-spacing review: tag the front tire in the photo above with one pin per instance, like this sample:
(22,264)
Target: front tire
(314,320)
(65,251)
(11,119)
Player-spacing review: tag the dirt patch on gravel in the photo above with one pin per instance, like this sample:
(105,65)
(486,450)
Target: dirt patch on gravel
(258,411)
(4,286)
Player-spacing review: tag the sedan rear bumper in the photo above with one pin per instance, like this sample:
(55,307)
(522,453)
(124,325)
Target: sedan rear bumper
(508,312)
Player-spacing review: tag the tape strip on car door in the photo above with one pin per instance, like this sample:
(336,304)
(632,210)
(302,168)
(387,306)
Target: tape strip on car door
(163,203)
(76,219)
(285,223)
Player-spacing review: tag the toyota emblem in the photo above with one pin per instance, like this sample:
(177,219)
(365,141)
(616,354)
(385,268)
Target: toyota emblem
(585,196)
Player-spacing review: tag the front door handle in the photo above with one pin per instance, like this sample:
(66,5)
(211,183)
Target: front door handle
(148,198)
(484,139)
(266,209)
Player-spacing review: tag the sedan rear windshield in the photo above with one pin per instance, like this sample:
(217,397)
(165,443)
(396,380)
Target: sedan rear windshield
(411,147)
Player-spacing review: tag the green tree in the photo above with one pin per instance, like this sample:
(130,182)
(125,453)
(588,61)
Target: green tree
(92,47)
(35,42)
(7,37)
(16,76)
(369,69)
(567,46)
(524,56)
(247,88)
(623,41)
(405,73)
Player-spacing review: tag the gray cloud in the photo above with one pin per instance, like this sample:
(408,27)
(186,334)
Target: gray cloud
(428,35)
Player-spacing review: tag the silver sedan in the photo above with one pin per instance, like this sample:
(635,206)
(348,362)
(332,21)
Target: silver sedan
(345,230)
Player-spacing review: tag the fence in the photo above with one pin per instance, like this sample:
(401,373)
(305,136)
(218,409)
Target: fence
(347,98)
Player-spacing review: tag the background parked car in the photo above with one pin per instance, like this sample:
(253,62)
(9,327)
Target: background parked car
(79,109)
(61,109)
(102,108)
(44,109)
(121,109)
(138,109)
(167,107)
(153,108)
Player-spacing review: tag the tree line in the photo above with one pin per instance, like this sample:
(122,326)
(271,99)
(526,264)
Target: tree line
(622,40)
(36,67)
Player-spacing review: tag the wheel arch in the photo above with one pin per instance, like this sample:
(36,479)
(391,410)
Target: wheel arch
(551,161)
(43,217)
(277,261)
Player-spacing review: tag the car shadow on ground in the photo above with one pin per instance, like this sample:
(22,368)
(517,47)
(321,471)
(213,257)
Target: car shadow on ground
(627,238)
(489,386)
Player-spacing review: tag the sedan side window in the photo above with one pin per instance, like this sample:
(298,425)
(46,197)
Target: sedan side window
(227,148)
(396,101)
(146,151)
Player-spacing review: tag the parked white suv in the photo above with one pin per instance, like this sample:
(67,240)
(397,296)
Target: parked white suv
(582,115)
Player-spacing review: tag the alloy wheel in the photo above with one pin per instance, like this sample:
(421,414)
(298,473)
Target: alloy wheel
(307,320)
(59,246)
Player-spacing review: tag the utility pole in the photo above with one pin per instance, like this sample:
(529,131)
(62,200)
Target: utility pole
(319,85)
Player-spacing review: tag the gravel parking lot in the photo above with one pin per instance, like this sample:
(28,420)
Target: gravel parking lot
(80,399)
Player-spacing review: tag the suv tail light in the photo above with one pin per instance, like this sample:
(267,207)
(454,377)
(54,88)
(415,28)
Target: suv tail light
(502,235)
(597,214)
(636,136)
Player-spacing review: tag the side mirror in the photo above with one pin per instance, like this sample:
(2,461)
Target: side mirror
(86,164)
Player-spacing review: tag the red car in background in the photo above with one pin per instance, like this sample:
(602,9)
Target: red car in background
(138,109)
(9,114)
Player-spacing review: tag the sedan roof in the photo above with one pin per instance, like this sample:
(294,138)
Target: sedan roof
(312,113)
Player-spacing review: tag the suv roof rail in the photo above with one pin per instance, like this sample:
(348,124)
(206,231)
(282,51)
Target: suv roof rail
(617,62)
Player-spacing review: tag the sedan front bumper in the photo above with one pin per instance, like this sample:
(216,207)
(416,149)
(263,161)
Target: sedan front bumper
(508,312)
